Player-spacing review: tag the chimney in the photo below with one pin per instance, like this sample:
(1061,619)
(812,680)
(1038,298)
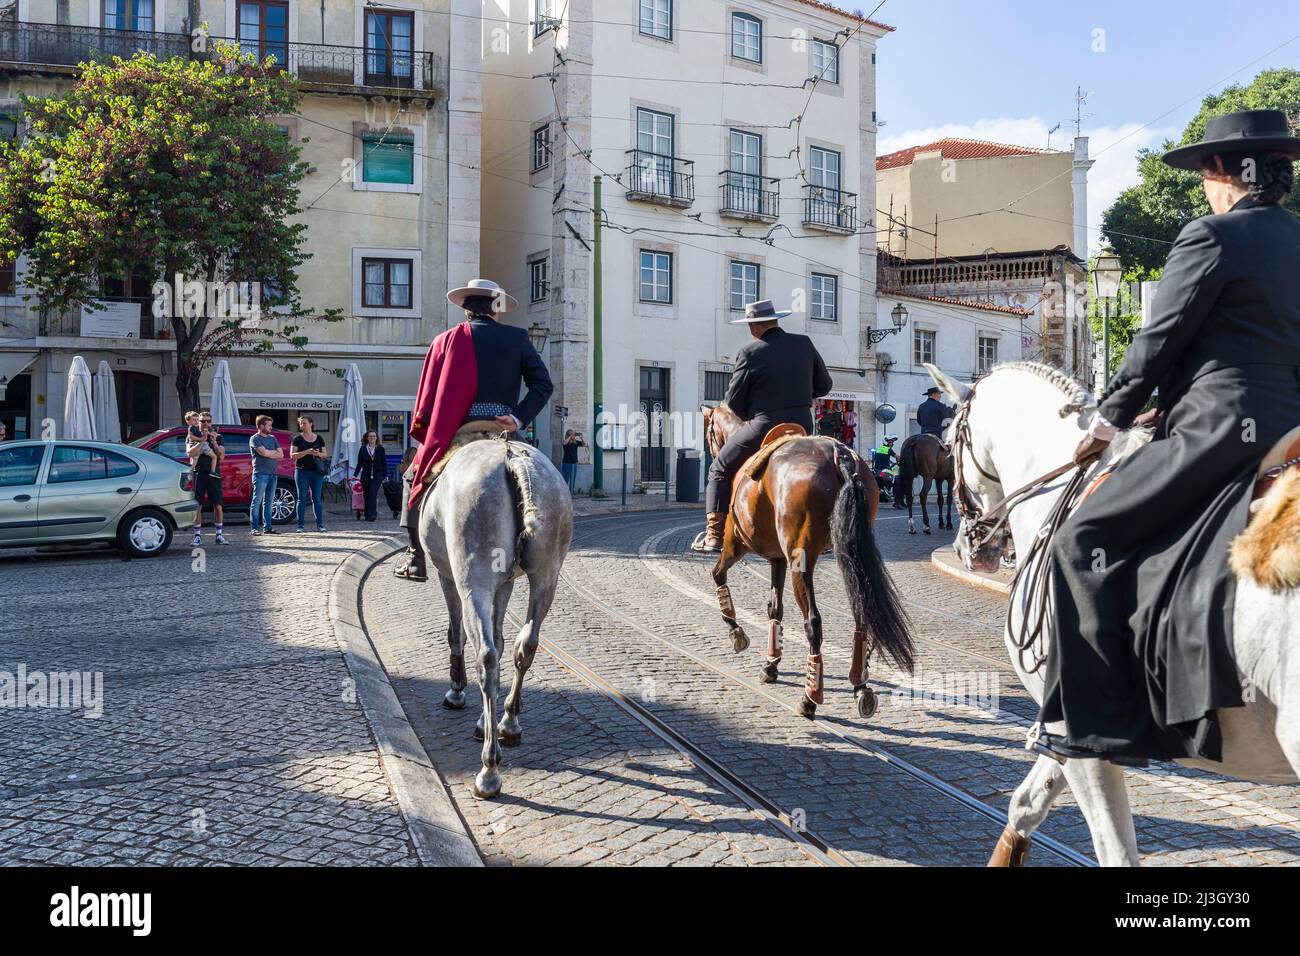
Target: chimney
(1079,191)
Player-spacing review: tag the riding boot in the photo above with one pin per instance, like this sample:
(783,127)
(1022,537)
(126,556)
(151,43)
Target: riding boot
(413,569)
(709,541)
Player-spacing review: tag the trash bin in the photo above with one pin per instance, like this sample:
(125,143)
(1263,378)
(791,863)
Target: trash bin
(688,475)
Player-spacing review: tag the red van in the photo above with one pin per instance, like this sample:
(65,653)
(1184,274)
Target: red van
(236,466)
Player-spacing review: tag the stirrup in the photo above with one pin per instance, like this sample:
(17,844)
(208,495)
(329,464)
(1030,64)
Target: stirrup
(701,546)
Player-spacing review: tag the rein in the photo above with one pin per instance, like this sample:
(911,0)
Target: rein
(980,527)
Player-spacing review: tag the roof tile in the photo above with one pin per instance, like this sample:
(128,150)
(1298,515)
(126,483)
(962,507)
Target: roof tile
(954,148)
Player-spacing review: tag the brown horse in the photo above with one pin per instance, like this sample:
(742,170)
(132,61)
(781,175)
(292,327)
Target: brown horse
(812,492)
(926,456)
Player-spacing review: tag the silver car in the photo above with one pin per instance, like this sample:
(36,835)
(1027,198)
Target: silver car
(71,492)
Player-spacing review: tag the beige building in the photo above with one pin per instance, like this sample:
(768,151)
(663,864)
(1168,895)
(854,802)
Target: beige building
(996,224)
(389,125)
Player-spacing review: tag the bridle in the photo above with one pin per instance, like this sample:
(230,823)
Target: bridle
(979,527)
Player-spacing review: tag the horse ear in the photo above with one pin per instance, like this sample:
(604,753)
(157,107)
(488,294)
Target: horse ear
(953,388)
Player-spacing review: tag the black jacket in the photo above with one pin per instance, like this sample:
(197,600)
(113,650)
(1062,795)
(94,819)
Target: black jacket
(932,415)
(368,468)
(506,361)
(1230,296)
(780,370)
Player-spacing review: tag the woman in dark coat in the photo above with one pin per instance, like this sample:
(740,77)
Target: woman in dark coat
(1142,597)
(372,468)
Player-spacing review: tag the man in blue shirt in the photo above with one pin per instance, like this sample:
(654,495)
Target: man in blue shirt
(266,452)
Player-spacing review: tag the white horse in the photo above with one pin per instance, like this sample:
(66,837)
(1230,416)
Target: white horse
(1017,435)
(499,510)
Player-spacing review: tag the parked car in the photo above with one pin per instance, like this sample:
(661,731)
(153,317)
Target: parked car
(73,492)
(236,466)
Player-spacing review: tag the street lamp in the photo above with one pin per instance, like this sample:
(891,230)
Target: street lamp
(537,334)
(1106,275)
(899,316)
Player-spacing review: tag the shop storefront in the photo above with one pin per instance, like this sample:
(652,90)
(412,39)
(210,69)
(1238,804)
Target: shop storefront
(839,415)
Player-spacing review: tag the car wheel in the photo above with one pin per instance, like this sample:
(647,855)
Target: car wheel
(146,533)
(284,506)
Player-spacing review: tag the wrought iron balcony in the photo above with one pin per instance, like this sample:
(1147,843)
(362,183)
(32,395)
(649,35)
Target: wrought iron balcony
(746,196)
(662,179)
(37,45)
(830,209)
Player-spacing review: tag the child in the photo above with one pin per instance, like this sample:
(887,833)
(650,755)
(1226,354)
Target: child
(197,444)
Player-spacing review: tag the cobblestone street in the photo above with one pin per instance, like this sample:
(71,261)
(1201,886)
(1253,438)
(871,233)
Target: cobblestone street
(591,784)
(229,734)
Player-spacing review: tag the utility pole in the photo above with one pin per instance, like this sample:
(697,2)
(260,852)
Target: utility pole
(597,352)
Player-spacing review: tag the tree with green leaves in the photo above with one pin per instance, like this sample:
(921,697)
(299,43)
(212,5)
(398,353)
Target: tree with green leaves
(163,169)
(1144,220)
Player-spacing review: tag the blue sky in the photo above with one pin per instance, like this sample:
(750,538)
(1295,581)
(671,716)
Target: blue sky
(1007,70)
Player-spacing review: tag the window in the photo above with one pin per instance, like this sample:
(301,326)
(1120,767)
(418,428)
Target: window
(19,466)
(715,386)
(824,171)
(746,37)
(654,133)
(541,147)
(826,61)
(8,277)
(744,285)
(388,158)
(988,354)
(922,346)
(825,293)
(387,283)
(657,18)
(390,48)
(655,142)
(539,280)
(264,29)
(128,14)
(746,159)
(545,17)
(74,463)
(656,276)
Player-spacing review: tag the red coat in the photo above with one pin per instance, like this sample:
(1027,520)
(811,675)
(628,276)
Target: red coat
(447,386)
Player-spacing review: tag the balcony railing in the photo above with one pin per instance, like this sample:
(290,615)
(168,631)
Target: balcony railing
(831,209)
(664,179)
(746,196)
(48,44)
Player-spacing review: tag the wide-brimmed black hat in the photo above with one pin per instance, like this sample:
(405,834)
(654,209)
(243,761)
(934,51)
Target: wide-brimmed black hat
(1264,131)
(934,390)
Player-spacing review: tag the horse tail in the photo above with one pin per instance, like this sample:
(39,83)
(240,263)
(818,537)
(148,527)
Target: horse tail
(523,472)
(877,607)
(906,472)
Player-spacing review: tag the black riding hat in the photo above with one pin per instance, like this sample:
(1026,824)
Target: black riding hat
(1264,131)
(935,390)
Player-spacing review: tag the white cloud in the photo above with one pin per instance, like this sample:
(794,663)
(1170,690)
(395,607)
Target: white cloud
(1113,147)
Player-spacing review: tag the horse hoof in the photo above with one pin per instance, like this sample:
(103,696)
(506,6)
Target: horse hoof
(487,784)
(454,700)
(926,530)
(768,674)
(739,640)
(807,708)
(510,738)
(867,703)
(911,531)
(478,733)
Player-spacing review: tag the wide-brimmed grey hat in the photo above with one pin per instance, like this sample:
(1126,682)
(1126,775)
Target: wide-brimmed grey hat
(1263,131)
(761,311)
(502,300)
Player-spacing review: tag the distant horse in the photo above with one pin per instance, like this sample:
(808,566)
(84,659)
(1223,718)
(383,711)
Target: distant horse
(926,456)
(810,492)
(498,511)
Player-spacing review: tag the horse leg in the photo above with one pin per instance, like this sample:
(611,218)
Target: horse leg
(454,699)
(775,611)
(500,604)
(812,624)
(480,626)
(1029,806)
(911,523)
(732,551)
(1098,787)
(925,509)
(540,596)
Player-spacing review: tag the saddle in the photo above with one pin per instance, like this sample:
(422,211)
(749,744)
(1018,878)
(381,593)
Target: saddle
(467,433)
(777,437)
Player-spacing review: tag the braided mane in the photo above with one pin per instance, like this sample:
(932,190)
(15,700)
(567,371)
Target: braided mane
(1075,393)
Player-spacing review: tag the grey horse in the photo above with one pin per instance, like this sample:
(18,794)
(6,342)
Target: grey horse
(498,511)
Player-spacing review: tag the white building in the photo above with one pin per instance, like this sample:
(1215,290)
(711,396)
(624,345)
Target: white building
(714,193)
(965,339)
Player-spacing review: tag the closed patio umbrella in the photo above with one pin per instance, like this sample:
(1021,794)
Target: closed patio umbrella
(79,403)
(352,425)
(108,426)
(225,408)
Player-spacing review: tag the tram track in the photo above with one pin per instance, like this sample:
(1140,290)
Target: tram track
(949,791)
